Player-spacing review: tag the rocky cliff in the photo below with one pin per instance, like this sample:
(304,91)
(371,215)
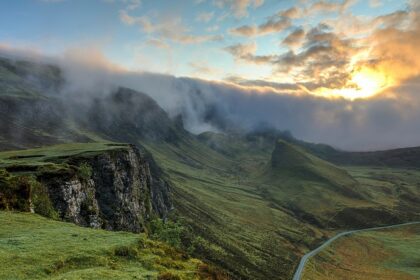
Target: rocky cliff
(114,189)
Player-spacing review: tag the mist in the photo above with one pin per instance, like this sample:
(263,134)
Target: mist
(389,120)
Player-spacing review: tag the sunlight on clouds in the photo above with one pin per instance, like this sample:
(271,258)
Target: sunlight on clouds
(364,83)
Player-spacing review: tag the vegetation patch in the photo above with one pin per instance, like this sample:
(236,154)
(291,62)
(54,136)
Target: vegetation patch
(33,247)
(386,254)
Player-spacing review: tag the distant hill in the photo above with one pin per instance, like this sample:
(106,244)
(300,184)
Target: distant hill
(291,161)
(34,112)
(404,157)
(311,187)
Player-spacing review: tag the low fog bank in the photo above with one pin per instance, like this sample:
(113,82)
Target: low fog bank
(373,124)
(386,121)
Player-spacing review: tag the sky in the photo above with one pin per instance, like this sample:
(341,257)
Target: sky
(349,68)
(209,39)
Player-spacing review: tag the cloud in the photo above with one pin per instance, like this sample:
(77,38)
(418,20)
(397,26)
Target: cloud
(357,125)
(130,5)
(325,59)
(313,8)
(323,6)
(205,17)
(351,25)
(294,39)
(272,25)
(238,7)
(201,68)
(327,55)
(375,3)
(158,43)
(376,123)
(170,28)
(291,13)
(246,52)
(213,28)
(283,19)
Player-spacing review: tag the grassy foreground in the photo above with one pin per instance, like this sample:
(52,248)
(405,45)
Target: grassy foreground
(33,247)
(386,254)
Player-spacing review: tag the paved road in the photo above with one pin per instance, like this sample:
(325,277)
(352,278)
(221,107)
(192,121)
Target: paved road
(305,258)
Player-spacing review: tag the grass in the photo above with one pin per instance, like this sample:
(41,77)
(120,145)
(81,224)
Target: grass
(386,254)
(52,154)
(311,186)
(221,198)
(243,214)
(33,247)
(257,224)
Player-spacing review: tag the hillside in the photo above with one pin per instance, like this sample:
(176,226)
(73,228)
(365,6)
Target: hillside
(405,157)
(250,203)
(313,188)
(38,110)
(386,254)
(261,208)
(33,247)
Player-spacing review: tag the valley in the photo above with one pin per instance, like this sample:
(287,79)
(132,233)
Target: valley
(272,221)
(232,205)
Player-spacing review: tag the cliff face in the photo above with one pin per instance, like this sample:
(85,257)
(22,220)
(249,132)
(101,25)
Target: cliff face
(117,192)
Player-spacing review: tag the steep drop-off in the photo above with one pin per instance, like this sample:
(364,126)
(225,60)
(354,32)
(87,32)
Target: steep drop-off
(113,188)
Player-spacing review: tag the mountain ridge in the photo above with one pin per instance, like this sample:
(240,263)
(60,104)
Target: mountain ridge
(252,202)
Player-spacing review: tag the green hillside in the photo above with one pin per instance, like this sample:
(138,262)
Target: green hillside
(307,185)
(260,208)
(33,247)
(252,203)
(385,254)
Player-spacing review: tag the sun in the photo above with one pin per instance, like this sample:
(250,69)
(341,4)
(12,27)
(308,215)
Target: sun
(363,83)
(369,83)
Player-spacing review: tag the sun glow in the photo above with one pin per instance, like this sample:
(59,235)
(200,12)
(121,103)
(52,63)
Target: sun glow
(363,83)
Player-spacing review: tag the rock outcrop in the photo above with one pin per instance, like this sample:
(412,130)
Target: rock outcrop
(119,191)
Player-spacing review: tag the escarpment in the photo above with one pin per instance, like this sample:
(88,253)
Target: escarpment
(114,189)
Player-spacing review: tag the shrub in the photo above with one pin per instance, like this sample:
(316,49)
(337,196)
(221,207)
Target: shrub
(85,171)
(15,191)
(169,232)
(41,201)
(126,252)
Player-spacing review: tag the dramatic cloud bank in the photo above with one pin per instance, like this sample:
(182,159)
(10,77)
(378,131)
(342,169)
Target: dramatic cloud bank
(386,121)
(344,55)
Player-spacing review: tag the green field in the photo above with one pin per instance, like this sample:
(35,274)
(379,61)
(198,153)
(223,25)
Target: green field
(33,247)
(385,254)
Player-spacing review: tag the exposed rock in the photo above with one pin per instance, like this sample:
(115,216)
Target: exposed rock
(121,193)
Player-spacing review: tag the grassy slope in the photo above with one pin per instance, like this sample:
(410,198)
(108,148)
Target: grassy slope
(220,193)
(244,217)
(54,155)
(33,247)
(387,254)
(244,233)
(307,184)
(249,219)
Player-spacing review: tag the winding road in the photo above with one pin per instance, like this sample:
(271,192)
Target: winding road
(305,258)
